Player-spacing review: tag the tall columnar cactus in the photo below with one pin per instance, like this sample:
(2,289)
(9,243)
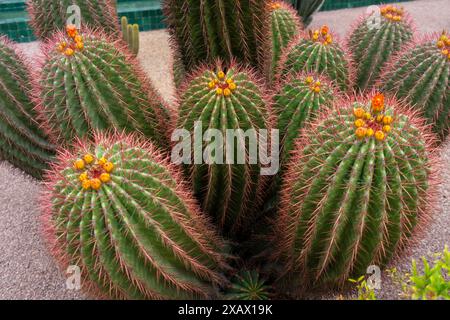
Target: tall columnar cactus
(285,24)
(374,40)
(48,16)
(130,34)
(22,141)
(204,31)
(116,209)
(88,82)
(229,183)
(317,51)
(300,99)
(358,185)
(421,75)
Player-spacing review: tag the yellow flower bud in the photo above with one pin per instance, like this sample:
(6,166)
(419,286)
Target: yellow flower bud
(219,91)
(109,167)
(83,176)
(79,164)
(379,135)
(105,177)
(211,85)
(220,75)
(102,161)
(387,128)
(96,184)
(370,132)
(78,38)
(359,123)
(229,81)
(69,52)
(445,52)
(387,120)
(88,158)
(316,89)
(309,80)
(367,116)
(80,45)
(227,92)
(359,112)
(361,133)
(86,184)
(380,118)
(440,44)
(232,86)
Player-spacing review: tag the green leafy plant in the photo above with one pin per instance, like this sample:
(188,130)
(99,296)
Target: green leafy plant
(130,34)
(22,141)
(358,184)
(119,211)
(248,285)
(307,8)
(49,16)
(88,82)
(365,291)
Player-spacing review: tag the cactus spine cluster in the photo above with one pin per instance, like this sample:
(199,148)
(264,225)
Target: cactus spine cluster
(301,98)
(356,189)
(88,83)
(130,34)
(48,16)
(204,31)
(421,75)
(373,42)
(117,210)
(22,141)
(228,187)
(319,52)
(284,26)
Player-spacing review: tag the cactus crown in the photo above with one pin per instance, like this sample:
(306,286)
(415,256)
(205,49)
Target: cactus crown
(392,13)
(444,44)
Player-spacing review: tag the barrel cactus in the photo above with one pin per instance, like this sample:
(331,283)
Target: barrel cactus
(248,285)
(421,75)
(22,142)
(285,24)
(48,16)
(89,82)
(300,99)
(116,209)
(373,41)
(357,187)
(204,31)
(228,183)
(317,51)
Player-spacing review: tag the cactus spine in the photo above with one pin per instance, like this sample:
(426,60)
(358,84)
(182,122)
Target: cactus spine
(48,16)
(22,141)
(300,99)
(130,34)
(421,75)
(318,52)
(88,83)
(225,100)
(357,187)
(371,45)
(285,24)
(117,210)
(204,31)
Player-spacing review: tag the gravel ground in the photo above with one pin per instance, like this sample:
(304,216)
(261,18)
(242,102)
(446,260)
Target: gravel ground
(28,271)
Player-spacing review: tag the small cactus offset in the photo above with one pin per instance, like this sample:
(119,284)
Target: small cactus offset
(48,16)
(118,211)
(204,31)
(300,99)
(248,285)
(89,83)
(285,25)
(22,142)
(130,34)
(373,41)
(421,75)
(229,185)
(317,51)
(359,184)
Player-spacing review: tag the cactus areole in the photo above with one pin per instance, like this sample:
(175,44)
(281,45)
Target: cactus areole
(357,188)
(116,209)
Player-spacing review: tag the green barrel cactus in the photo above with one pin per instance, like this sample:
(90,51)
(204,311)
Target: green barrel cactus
(229,183)
(90,83)
(204,31)
(359,184)
(375,40)
(317,51)
(48,16)
(300,99)
(285,25)
(116,209)
(421,75)
(22,141)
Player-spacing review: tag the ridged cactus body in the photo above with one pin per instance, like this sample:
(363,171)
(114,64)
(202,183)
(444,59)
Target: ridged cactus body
(92,84)
(358,185)
(116,209)
(22,142)
(48,16)
(228,187)
(375,40)
(130,34)
(317,51)
(204,31)
(421,75)
(285,25)
(300,99)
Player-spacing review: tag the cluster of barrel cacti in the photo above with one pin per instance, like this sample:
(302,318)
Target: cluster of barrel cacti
(356,174)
